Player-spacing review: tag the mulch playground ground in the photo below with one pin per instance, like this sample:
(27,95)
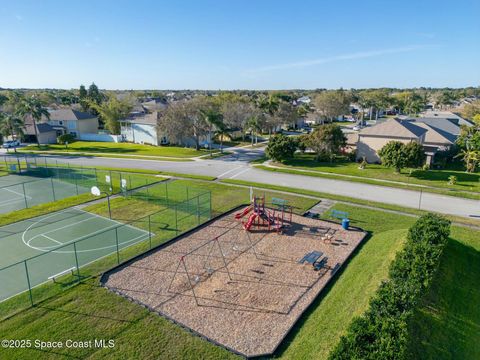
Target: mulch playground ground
(242,290)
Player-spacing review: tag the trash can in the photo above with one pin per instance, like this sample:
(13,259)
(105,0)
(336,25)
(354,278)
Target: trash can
(345,223)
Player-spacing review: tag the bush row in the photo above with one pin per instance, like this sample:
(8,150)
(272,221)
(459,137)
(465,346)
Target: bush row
(382,332)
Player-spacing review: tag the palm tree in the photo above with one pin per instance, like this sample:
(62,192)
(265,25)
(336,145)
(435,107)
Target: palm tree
(11,125)
(269,105)
(254,126)
(221,132)
(471,159)
(214,119)
(33,107)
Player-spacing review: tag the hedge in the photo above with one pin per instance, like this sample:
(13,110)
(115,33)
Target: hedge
(382,332)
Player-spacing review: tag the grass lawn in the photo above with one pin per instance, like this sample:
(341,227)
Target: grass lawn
(447,324)
(121,148)
(88,311)
(434,178)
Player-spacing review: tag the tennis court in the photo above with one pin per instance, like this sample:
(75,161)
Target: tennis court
(35,250)
(21,191)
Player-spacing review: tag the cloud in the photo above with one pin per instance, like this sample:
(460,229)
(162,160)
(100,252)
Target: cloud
(330,59)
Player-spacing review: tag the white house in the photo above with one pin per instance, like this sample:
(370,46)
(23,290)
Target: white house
(141,128)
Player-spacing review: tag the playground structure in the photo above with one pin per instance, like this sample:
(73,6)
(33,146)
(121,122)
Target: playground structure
(261,216)
(240,289)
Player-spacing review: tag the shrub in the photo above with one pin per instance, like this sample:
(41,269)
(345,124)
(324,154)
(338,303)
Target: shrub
(281,147)
(63,139)
(382,332)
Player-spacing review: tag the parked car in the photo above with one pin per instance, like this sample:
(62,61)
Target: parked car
(357,128)
(10,144)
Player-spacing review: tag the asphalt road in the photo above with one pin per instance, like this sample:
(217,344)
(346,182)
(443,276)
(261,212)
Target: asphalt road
(237,167)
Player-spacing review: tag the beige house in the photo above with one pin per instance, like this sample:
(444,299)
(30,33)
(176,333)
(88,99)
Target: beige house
(69,121)
(436,136)
(372,139)
(46,134)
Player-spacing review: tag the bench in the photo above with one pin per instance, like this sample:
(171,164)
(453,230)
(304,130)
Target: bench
(320,264)
(64,272)
(335,268)
(339,214)
(311,257)
(278,201)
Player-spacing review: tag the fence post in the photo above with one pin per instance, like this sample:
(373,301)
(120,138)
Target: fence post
(96,178)
(166,192)
(53,189)
(25,195)
(28,282)
(176,221)
(210,205)
(116,240)
(148,191)
(76,259)
(76,181)
(198,210)
(149,231)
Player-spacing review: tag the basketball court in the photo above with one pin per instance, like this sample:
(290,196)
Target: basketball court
(65,240)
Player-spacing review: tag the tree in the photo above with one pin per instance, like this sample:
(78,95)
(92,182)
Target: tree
(327,141)
(269,105)
(11,125)
(236,114)
(414,155)
(32,107)
(111,111)
(286,114)
(213,118)
(471,158)
(409,102)
(254,125)
(280,147)
(332,104)
(393,155)
(469,143)
(182,120)
(470,111)
(94,94)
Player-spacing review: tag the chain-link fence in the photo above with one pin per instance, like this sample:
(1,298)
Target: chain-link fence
(32,280)
(34,180)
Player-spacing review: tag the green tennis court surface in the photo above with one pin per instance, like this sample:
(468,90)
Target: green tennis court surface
(20,191)
(56,243)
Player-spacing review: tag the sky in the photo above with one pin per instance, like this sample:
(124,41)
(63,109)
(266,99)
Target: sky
(239,44)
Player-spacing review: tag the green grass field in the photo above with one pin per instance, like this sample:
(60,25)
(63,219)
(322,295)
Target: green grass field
(434,178)
(88,311)
(121,148)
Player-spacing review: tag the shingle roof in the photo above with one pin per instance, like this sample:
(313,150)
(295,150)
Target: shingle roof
(394,128)
(441,124)
(436,136)
(41,128)
(69,114)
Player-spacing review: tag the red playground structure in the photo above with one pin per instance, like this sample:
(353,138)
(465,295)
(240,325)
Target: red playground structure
(261,216)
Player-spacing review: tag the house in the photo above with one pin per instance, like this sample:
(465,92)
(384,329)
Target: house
(141,128)
(433,134)
(70,121)
(45,132)
(372,139)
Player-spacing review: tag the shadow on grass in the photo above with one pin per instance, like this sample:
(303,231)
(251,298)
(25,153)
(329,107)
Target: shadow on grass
(313,306)
(447,323)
